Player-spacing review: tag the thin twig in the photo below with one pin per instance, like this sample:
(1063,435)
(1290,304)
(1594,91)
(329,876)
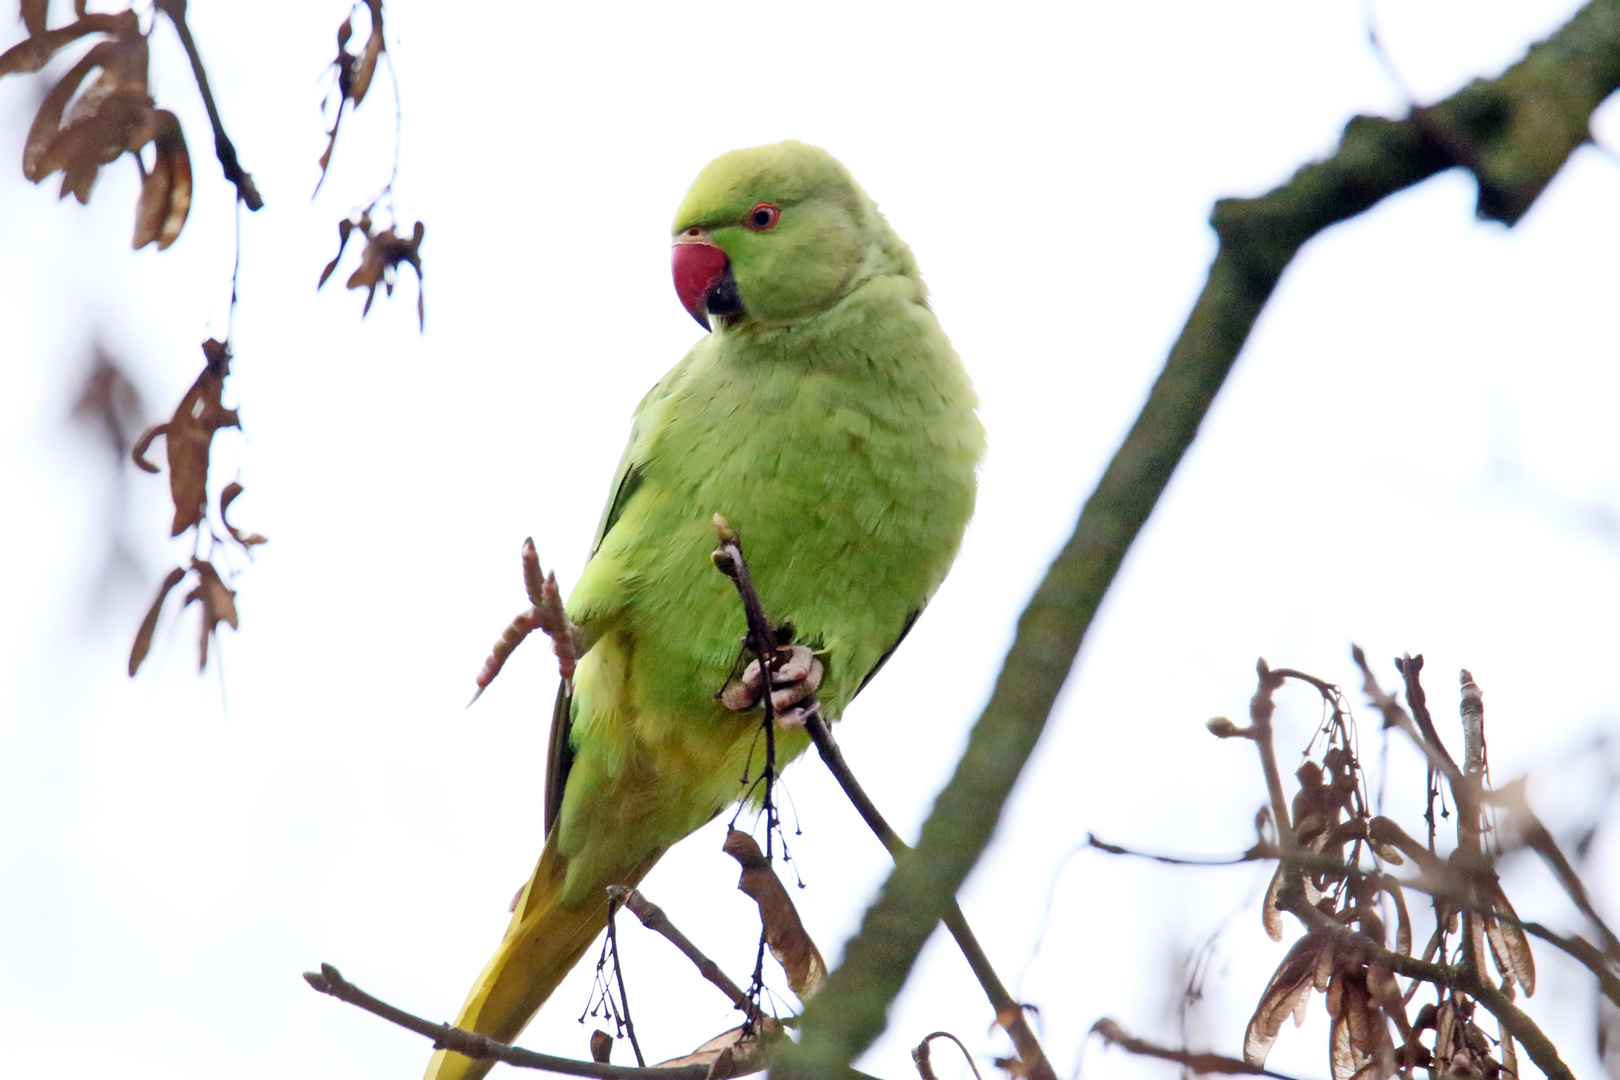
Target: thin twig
(618,975)
(1588,954)
(223,147)
(653,918)
(1433,883)
(1261,707)
(728,559)
(1254,854)
(1395,716)
(236,270)
(920,1055)
(1537,838)
(1195,1063)
(471,1044)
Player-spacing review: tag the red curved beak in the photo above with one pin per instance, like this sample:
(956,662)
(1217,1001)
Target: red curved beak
(699,267)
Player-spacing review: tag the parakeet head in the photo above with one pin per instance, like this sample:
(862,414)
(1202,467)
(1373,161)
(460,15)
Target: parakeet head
(773,234)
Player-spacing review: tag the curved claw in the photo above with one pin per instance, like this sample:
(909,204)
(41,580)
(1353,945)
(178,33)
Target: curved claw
(798,677)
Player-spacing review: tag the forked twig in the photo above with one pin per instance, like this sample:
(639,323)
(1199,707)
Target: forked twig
(618,975)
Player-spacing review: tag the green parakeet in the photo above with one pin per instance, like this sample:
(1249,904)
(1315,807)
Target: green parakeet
(829,420)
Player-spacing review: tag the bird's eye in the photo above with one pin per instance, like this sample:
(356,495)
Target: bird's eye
(763,218)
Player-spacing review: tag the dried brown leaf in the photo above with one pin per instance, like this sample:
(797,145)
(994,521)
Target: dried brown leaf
(226,497)
(1403,920)
(1359,1045)
(1291,984)
(601,1047)
(366,66)
(144,443)
(345,228)
(47,122)
(103,122)
(143,636)
(1510,950)
(784,933)
(218,602)
(94,139)
(1516,945)
(1321,976)
(1270,914)
(36,50)
(729,1044)
(189,435)
(384,253)
(166,192)
(354,74)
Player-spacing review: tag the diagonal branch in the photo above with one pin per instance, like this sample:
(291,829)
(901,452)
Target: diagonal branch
(1518,131)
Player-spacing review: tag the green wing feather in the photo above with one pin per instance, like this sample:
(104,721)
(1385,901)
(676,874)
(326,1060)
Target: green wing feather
(627,481)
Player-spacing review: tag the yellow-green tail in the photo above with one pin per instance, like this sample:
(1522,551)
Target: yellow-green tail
(544,941)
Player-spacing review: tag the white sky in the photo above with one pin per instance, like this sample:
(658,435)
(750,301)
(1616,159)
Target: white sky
(1416,452)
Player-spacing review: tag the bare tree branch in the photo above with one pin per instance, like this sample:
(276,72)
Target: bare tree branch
(330,981)
(1519,130)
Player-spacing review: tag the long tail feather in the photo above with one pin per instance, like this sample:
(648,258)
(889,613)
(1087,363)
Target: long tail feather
(544,941)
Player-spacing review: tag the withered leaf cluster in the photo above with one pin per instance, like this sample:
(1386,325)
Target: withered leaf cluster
(1332,876)
(100,109)
(188,439)
(355,71)
(384,252)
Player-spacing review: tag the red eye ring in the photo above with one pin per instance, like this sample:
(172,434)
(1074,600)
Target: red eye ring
(763,217)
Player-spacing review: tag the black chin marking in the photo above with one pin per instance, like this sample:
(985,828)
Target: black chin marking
(723,300)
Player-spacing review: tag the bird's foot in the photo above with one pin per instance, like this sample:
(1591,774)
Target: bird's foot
(794,682)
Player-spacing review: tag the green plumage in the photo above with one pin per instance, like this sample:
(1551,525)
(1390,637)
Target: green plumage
(832,424)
